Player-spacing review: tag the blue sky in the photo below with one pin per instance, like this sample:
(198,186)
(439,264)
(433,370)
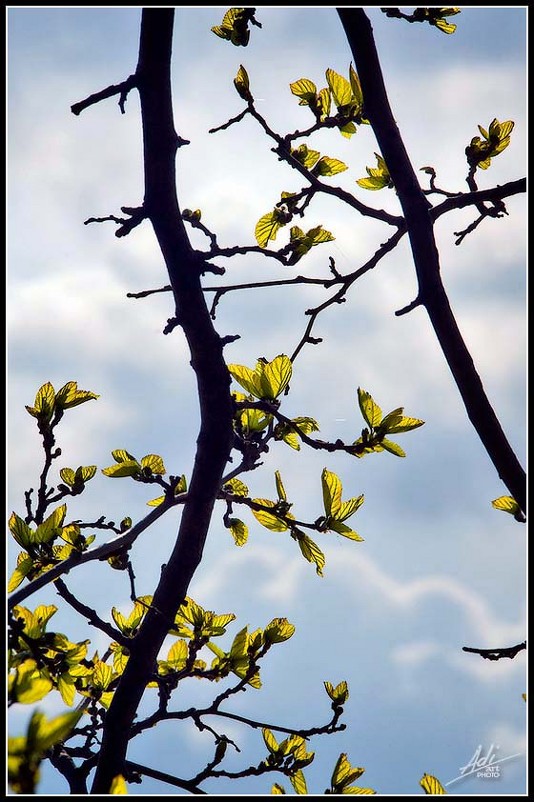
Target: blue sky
(439,567)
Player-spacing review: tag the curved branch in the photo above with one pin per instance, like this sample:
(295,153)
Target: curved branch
(214,442)
(418,217)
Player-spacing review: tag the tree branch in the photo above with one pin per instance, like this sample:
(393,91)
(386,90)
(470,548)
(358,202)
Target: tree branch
(418,217)
(215,438)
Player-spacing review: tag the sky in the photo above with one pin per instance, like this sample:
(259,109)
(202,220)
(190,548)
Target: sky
(439,568)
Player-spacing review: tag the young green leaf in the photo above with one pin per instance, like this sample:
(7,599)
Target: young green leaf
(242,85)
(327,166)
(278,630)
(44,404)
(339,87)
(118,785)
(431,785)
(239,531)
(393,448)
(332,489)
(267,519)
(305,90)
(155,463)
(310,551)
(372,414)
(298,781)
(507,504)
(377,177)
(69,396)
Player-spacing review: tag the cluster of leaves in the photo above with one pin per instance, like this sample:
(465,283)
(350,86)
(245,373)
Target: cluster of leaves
(234,27)
(434,16)
(480,152)
(374,438)
(25,752)
(345,94)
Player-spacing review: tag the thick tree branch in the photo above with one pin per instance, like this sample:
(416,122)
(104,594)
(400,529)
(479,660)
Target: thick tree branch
(418,216)
(215,438)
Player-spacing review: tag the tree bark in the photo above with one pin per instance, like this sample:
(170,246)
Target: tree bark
(431,292)
(213,381)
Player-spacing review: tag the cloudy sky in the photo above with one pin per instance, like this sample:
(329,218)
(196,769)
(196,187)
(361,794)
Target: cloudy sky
(439,567)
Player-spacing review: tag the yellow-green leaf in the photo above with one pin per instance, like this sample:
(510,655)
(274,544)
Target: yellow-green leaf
(298,781)
(370,410)
(118,785)
(304,89)
(278,630)
(267,228)
(506,503)
(155,463)
(239,531)
(349,507)
(236,487)
(327,166)
(311,552)
(242,84)
(44,402)
(67,689)
(332,490)
(276,376)
(55,730)
(280,489)
(270,741)
(51,527)
(392,447)
(20,531)
(305,156)
(24,566)
(247,378)
(431,785)
(277,789)
(126,468)
(346,531)
(69,396)
(267,519)
(340,88)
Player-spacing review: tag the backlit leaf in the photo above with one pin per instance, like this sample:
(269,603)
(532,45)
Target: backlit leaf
(239,531)
(298,781)
(370,410)
(236,487)
(304,89)
(311,552)
(404,425)
(339,87)
(242,85)
(349,507)
(155,463)
(44,402)
(343,529)
(118,785)
(270,741)
(332,490)
(20,531)
(130,468)
(247,378)
(276,376)
(24,566)
(267,228)
(51,527)
(431,785)
(52,731)
(69,396)
(278,630)
(267,519)
(506,504)
(327,166)
(392,447)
